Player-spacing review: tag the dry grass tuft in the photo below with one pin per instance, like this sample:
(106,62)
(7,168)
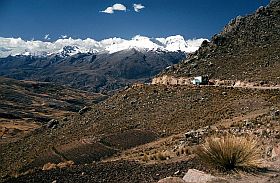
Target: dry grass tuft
(161,156)
(50,166)
(157,156)
(230,153)
(145,158)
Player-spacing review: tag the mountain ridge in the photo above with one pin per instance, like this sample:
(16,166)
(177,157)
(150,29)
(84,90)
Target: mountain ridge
(17,46)
(89,71)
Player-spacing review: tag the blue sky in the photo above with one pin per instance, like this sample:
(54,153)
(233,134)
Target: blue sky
(30,19)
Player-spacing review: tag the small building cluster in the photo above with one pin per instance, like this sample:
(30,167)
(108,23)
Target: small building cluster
(200,80)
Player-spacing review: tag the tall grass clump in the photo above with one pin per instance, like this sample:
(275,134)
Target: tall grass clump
(230,153)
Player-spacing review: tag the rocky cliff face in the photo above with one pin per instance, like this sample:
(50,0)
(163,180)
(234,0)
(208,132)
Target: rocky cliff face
(247,49)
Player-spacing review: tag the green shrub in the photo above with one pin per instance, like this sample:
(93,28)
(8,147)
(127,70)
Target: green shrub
(230,153)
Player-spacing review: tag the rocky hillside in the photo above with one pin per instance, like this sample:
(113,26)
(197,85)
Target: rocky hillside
(247,49)
(89,71)
(141,114)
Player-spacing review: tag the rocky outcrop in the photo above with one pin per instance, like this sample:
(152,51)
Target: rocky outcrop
(170,80)
(187,81)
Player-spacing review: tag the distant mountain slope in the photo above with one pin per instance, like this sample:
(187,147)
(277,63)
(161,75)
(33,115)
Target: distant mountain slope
(27,105)
(89,71)
(247,49)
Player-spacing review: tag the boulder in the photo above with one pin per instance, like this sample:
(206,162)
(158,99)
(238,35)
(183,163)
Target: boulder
(197,176)
(49,166)
(275,154)
(52,123)
(84,110)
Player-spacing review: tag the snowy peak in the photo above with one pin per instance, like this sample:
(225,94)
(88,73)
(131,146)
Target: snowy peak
(69,46)
(170,44)
(69,51)
(137,42)
(176,43)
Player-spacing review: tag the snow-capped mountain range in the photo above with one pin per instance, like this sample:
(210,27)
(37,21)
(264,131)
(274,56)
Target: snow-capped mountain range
(70,46)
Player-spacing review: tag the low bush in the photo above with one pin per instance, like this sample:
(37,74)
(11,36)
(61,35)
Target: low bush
(230,153)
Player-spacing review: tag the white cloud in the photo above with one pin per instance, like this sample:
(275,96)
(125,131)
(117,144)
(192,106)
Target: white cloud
(138,7)
(119,7)
(64,36)
(108,10)
(115,7)
(47,37)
